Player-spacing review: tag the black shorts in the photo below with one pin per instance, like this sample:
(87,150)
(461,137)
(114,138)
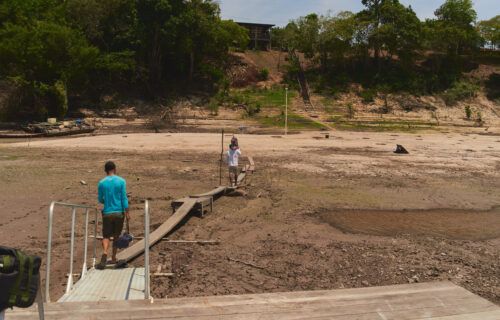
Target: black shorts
(112,225)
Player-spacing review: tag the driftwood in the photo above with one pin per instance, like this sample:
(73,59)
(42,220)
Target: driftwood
(245,263)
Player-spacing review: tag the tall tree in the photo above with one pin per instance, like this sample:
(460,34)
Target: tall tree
(454,30)
(336,38)
(490,31)
(391,27)
(307,33)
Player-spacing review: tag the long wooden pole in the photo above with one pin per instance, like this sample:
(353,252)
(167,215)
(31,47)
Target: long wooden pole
(221,158)
(286,111)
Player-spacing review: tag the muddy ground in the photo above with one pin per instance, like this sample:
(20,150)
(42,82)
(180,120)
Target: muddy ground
(317,214)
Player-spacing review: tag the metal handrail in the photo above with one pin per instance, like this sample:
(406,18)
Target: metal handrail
(74,208)
(146,251)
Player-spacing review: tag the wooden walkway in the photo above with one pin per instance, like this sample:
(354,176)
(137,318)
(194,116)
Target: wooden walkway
(182,208)
(155,236)
(438,301)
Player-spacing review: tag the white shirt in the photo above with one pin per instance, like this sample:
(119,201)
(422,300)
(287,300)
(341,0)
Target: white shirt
(232,157)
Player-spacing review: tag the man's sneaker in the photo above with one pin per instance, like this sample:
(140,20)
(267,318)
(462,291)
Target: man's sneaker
(102,265)
(121,264)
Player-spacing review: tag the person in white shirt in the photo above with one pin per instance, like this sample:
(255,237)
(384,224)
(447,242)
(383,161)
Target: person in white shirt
(233,155)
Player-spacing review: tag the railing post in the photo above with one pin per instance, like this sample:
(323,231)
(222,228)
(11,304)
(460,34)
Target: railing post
(49,250)
(95,239)
(85,245)
(74,208)
(146,250)
(70,276)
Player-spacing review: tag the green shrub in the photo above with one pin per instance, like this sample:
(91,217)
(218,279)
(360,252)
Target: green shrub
(264,74)
(59,100)
(368,95)
(460,90)
(36,101)
(468,112)
(253,108)
(213,106)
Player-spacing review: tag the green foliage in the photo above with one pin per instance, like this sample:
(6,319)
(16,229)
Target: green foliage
(295,121)
(272,97)
(213,106)
(390,26)
(253,108)
(98,47)
(468,112)
(454,29)
(368,95)
(490,31)
(59,97)
(264,74)
(460,90)
(41,58)
(380,45)
(381,126)
(303,34)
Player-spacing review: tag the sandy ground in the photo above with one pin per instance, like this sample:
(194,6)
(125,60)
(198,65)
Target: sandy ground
(318,213)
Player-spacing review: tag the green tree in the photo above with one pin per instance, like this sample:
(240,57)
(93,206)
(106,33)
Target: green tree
(110,25)
(336,38)
(490,31)
(306,34)
(44,59)
(454,30)
(390,27)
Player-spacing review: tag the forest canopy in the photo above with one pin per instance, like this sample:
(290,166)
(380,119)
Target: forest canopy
(56,52)
(52,49)
(386,46)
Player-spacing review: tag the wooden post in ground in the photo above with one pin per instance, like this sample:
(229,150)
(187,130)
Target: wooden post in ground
(221,158)
(286,111)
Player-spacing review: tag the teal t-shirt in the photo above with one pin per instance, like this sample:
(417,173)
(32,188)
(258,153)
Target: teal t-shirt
(112,192)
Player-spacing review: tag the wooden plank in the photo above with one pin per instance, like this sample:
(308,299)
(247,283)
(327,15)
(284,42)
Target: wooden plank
(345,296)
(403,302)
(213,193)
(243,174)
(409,309)
(200,201)
(440,298)
(155,236)
(252,164)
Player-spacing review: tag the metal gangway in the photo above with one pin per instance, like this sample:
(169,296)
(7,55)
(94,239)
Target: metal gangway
(98,285)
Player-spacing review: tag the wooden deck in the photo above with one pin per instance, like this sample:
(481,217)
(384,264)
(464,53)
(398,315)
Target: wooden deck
(438,301)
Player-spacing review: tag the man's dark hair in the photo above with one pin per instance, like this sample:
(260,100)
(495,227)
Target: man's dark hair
(109,166)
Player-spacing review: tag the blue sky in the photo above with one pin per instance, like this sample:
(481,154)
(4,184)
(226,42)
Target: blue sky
(279,12)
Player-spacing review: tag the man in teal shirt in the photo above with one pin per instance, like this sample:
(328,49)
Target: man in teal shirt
(112,193)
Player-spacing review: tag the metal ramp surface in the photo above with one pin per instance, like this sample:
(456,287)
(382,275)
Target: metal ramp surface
(108,285)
